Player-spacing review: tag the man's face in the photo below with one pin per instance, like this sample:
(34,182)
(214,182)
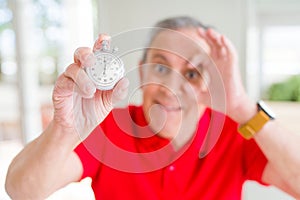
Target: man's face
(172,81)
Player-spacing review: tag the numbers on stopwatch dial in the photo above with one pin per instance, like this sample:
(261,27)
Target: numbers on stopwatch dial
(107,70)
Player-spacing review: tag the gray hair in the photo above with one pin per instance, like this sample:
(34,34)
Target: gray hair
(173,23)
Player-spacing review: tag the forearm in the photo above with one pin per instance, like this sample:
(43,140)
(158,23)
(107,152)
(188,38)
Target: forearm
(281,148)
(36,170)
(279,145)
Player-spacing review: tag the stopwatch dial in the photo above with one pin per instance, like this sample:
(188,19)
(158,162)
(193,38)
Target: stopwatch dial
(107,70)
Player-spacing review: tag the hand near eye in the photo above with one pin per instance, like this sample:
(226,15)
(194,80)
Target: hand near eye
(225,90)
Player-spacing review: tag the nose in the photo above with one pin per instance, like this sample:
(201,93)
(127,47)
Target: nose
(172,84)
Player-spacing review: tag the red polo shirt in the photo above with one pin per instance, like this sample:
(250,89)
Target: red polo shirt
(127,161)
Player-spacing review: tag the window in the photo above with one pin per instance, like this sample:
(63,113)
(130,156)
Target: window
(280,53)
(273,45)
(48,15)
(8,67)
(37,41)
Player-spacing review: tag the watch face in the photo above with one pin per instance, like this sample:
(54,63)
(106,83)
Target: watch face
(266,109)
(107,70)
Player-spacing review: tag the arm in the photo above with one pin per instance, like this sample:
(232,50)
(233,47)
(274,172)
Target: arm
(280,146)
(44,165)
(49,163)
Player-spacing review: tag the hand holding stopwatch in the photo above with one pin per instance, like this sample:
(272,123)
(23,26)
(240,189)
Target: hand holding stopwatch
(107,69)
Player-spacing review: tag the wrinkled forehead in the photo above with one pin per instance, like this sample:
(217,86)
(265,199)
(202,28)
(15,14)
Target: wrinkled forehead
(185,43)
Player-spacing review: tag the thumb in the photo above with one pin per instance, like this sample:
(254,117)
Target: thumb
(120,91)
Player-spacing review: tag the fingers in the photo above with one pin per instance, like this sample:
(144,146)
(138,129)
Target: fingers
(83,85)
(75,78)
(98,43)
(64,87)
(229,48)
(216,42)
(84,57)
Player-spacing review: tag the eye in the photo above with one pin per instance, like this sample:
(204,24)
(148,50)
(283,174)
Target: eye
(161,69)
(192,75)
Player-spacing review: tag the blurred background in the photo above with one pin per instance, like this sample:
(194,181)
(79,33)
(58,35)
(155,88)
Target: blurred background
(38,38)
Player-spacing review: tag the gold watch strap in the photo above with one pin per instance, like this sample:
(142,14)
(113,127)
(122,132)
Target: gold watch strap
(249,129)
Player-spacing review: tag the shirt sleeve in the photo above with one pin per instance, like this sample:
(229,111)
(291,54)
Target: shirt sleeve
(254,161)
(85,151)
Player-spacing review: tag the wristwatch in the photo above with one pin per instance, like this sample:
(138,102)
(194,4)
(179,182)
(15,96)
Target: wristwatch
(108,68)
(255,124)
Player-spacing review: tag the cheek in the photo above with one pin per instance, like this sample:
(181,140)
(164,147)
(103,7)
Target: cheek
(192,94)
(149,91)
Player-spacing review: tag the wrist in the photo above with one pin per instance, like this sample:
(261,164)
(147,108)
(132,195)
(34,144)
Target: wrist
(244,112)
(62,136)
(257,122)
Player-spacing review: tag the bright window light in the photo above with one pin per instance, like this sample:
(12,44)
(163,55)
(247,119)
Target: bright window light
(9,68)
(281,50)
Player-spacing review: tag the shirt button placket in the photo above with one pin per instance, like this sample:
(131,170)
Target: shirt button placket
(171,168)
(169,186)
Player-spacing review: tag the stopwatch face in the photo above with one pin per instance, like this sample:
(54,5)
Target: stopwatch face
(107,70)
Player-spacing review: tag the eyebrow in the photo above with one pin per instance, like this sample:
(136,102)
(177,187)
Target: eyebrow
(188,62)
(159,56)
